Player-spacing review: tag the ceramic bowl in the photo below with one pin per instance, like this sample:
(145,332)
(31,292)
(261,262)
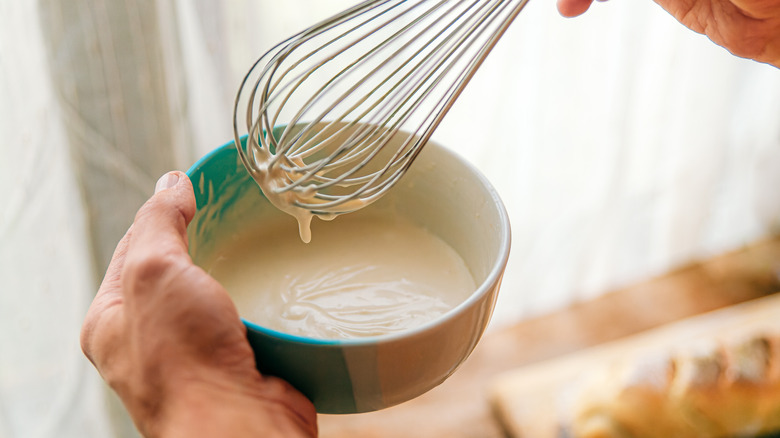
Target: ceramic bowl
(440,192)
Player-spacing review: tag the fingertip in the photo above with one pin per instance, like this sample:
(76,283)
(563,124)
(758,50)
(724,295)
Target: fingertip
(573,8)
(175,188)
(166,215)
(167,181)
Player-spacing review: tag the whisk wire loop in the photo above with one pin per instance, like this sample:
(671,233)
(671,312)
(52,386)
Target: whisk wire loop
(360,94)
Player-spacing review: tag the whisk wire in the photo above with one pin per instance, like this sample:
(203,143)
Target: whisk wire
(308,145)
(362,93)
(293,84)
(437,64)
(404,152)
(280,54)
(315,143)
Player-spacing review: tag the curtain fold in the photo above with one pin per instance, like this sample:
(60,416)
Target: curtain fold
(47,388)
(107,66)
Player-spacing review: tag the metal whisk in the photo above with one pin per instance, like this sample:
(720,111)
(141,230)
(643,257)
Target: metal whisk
(359,95)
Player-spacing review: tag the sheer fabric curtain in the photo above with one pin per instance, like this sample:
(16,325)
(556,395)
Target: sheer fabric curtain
(623,146)
(46,269)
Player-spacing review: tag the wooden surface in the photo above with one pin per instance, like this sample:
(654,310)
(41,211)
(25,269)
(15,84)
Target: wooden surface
(527,400)
(460,407)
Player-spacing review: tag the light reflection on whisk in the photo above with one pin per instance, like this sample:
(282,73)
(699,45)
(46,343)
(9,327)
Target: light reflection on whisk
(359,95)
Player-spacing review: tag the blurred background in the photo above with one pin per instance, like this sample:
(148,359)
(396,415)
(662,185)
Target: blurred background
(623,145)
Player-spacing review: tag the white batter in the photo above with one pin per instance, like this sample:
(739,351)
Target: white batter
(361,276)
(272,179)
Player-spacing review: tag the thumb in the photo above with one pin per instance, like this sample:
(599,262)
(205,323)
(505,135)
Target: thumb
(159,232)
(168,212)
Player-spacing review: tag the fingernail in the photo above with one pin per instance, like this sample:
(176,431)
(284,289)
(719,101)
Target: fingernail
(166,181)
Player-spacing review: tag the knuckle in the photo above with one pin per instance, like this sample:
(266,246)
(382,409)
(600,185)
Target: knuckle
(86,335)
(91,331)
(100,336)
(150,267)
(147,266)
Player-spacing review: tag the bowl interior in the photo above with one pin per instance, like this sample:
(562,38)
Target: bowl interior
(440,193)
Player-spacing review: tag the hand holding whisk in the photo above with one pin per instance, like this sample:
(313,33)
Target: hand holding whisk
(359,95)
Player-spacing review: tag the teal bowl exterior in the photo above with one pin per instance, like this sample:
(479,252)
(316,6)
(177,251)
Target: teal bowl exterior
(364,374)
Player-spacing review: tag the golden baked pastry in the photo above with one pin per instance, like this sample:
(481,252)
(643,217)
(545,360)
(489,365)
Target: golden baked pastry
(706,390)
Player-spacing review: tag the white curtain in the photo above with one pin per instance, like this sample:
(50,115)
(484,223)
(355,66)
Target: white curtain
(623,146)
